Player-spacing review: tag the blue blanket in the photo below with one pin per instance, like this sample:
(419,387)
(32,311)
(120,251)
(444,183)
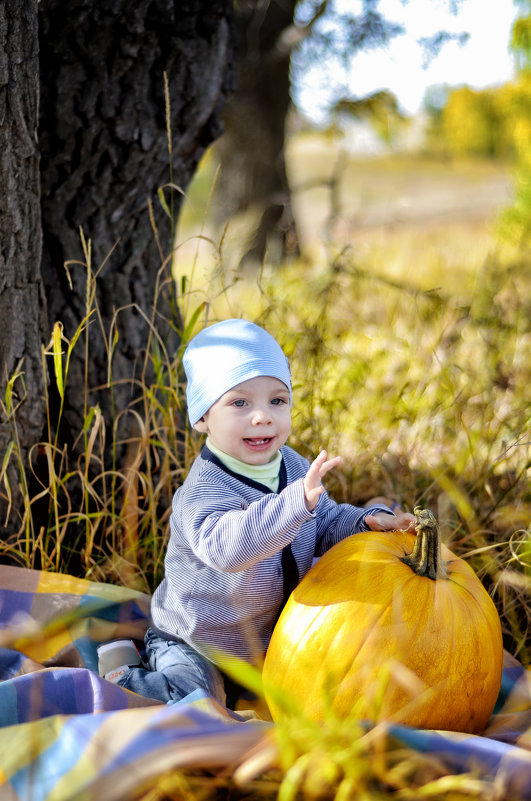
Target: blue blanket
(66,733)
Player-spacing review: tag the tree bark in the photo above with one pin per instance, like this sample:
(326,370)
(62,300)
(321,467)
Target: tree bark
(251,152)
(103,131)
(105,150)
(22,306)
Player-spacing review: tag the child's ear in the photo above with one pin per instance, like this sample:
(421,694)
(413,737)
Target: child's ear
(201,425)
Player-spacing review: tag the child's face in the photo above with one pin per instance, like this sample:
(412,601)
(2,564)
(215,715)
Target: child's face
(251,421)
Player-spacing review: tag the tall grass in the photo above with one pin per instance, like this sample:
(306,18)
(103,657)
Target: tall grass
(87,512)
(421,385)
(410,355)
(425,394)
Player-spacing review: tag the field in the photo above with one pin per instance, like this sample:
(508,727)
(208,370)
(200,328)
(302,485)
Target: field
(406,302)
(407,324)
(406,321)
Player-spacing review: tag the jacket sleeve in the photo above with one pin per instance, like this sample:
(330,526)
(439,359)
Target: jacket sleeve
(337,521)
(230,535)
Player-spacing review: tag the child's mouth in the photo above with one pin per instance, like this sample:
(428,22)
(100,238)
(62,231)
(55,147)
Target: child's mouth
(258,444)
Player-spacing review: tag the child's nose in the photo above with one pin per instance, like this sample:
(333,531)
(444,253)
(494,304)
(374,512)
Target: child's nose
(261,416)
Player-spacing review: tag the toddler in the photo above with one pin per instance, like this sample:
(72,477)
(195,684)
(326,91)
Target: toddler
(247,522)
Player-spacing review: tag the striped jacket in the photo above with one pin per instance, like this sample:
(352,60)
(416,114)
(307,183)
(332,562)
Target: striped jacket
(223,582)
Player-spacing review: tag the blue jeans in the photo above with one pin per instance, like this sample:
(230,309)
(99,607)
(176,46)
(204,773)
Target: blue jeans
(175,671)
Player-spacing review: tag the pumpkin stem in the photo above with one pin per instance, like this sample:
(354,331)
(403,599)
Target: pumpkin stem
(425,559)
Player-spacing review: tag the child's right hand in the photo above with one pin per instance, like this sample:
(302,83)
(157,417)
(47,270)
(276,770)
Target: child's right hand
(312,480)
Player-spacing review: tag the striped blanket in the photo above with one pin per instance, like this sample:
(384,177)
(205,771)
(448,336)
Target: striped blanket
(68,734)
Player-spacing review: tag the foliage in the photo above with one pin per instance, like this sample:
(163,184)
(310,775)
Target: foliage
(472,125)
(474,122)
(516,223)
(330,35)
(380,109)
(292,46)
(494,123)
(516,220)
(521,36)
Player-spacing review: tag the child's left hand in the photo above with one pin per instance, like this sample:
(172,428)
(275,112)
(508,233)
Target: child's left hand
(385,522)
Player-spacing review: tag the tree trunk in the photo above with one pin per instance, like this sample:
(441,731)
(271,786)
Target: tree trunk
(104,143)
(22,305)
(105,150)
(251,152)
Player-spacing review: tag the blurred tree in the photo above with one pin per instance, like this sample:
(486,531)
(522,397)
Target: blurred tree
(102,151)
(276,37)
(433,104)
(516,220)
(380,109)
(472,123)
(251,152)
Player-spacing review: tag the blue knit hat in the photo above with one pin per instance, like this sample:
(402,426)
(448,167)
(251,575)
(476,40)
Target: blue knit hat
(224,355)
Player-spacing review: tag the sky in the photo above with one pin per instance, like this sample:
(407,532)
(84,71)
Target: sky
(483,61)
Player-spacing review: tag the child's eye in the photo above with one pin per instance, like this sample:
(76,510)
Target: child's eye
(239,403)
(278,401)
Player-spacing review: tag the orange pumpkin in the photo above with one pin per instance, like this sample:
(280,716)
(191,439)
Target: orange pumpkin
(386,626)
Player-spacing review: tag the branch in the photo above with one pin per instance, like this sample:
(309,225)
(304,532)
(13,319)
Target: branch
(292,36)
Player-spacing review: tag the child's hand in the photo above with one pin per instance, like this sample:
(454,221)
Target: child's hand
(312,480)
(385,522)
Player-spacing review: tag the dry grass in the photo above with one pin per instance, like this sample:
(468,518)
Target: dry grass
(410,351)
